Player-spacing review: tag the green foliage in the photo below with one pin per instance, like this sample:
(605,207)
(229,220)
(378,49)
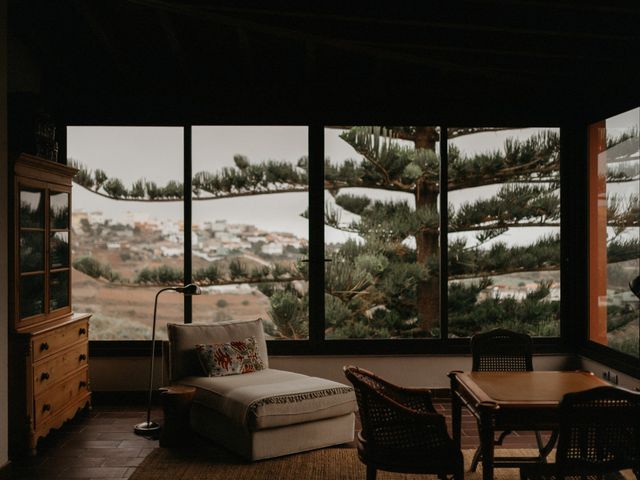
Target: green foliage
(544,254)
(162,275)
(535,159)
(114,188)
(535,315)
(83,177)
(237,269)
(93,268)
(100,177)
(512,205)
(289,312)
(137,189)
(207,275)
(353,203)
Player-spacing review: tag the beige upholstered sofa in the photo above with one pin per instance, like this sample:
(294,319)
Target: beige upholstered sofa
(261,414)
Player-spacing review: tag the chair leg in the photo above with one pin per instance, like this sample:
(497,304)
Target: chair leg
(459,473)
(545,449)
(476,460)
(371,472)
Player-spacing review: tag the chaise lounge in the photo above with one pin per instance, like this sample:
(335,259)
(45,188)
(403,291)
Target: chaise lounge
(261,414)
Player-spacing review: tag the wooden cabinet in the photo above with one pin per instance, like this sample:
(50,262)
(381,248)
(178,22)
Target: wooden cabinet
(49,379)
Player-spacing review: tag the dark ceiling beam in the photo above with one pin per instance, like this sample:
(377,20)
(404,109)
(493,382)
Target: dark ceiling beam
(571,5)
(89,17)
(445,66)
(472,49)
(322,19)
(166,24)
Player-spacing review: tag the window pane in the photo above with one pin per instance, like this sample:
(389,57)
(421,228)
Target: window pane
(31,295)
(504,231)
(250,233)
(127,228)
(58,290)
(31,207)
(382,232)
(614,232)
(31,251)
(59,210)
(59,249)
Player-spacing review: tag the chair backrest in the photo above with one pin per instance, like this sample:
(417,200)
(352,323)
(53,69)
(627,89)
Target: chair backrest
(382,427)
(501,350)
(183,337)
(599,431)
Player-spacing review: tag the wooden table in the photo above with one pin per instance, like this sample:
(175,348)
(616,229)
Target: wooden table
(512,401)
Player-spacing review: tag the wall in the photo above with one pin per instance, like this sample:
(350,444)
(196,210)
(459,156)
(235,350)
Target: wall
(4,269)
(598,368)
(131,373)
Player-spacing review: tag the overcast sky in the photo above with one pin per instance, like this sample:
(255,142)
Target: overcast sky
(155,153)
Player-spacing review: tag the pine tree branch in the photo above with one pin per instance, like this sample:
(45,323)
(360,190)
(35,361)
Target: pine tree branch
(197,198)
(506,271)
(459,132)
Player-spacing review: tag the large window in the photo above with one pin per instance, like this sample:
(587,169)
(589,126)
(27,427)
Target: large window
(382,232)
(239,225)
(250,233)
(614,232)
(127,227)
(504,231)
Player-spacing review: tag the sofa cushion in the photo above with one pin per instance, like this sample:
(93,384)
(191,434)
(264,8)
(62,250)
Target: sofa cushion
(272,398)
(230,358)
(183,359)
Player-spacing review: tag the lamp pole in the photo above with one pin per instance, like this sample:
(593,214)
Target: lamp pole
(149,427)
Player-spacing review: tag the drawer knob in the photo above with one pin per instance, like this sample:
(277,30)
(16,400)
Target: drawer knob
(44,376)
(82,384)
(44,346)
(46,407)
(82,357)
(82,331)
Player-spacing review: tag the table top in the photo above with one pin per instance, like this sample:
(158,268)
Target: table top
(526,389)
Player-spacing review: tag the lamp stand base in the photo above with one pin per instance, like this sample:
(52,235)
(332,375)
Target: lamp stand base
(146,428)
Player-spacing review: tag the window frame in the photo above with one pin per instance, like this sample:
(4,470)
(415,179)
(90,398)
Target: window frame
(316,344)
(623,362)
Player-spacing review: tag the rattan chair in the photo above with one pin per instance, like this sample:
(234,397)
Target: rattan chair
(599,434)
(401,431)
(502,350)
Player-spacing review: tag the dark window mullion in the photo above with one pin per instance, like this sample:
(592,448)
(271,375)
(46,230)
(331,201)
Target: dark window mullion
(187,195)
(316,234)
(444,231)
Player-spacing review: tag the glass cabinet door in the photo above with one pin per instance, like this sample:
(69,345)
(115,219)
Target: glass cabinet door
(31,255)
(44,265)
(59,264)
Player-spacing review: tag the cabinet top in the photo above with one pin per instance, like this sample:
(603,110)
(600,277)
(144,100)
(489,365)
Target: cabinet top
(55,323)
(30,165)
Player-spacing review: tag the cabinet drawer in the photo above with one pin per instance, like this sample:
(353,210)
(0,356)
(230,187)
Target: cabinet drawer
(50,371)
(56,340)
(55,398)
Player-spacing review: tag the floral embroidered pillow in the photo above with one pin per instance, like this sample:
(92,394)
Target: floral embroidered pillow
(231,358)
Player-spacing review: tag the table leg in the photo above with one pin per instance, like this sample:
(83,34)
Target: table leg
(456,411)
(485,425)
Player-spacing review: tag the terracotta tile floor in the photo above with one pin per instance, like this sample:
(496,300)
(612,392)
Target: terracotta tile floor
(101,444)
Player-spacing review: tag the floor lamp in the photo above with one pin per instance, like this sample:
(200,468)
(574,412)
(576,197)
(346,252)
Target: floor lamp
(149,427)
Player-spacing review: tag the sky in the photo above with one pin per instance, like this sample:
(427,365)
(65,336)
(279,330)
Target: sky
(155,153)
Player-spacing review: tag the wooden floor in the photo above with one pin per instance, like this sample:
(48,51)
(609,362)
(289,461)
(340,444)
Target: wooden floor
(101,444)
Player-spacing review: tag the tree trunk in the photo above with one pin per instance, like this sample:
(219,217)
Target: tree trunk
(426,195)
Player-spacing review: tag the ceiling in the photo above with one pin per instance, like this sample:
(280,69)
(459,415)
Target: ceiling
(480,61)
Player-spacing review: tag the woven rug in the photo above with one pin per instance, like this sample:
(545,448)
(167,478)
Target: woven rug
(212,463)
